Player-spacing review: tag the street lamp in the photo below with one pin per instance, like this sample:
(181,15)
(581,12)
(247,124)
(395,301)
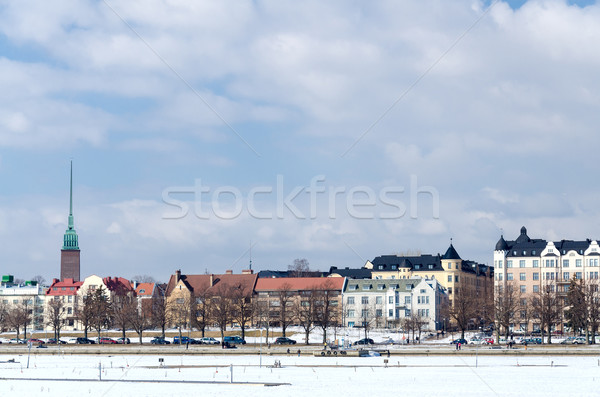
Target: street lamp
(260,350)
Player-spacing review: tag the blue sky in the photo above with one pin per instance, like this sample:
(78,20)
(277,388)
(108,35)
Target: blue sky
(495,110)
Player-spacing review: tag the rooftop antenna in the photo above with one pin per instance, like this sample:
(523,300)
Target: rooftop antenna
(250,267)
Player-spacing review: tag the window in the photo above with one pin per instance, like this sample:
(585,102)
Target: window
(536,276)
(351,313)
(380,287)
(180,301)
(406,312)
(364,300)
(391,313)
(524,302)
(394,267)
(509,276)
(380,267)
(366,287)
(522,276)
(521,263)
(499,264)
(378,313)
(350,300)
(449,278)
(577,262)
(430,266)
(565,263)
(70,298)
(456,279)
(407,300)
(536,288)
(449,290)
(142,291)
(423,291)
(364,313)
(536,263)
(523,288)
(378,300)
(353,287)
(499,276)
(305,303)
(594,262)
(69,310)
(508,263)
(391,300)
(566,276)
(578,275)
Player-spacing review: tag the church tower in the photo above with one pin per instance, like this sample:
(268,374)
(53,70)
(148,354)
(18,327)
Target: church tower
(69,254)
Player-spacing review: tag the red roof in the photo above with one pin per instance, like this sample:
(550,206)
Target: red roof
(202,282)
(299,283)
(65,287)
(147,288)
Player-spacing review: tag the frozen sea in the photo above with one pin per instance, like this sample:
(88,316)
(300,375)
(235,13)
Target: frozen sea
(451,375)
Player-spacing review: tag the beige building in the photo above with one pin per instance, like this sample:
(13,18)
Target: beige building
(450,270)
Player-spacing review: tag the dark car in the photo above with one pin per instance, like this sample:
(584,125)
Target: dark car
(234,340)
(157,340)
(84,341)
(123,341)
(462,341)
(284,341)
(53,341)
(185,340)
(365,341)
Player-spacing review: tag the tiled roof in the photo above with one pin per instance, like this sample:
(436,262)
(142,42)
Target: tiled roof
(144,289)
(351,273)
(299,283)
(202,282)
(117,284)
(65,287)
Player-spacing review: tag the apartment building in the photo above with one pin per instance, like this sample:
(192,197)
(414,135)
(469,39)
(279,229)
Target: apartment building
(450,270)
(529,264)
(386,302)
(29,296)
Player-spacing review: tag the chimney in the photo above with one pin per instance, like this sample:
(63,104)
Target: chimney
(228,271)
(247,271)
(211,280)
(177,276)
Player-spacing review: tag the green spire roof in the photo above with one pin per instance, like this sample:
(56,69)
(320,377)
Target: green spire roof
(71,240)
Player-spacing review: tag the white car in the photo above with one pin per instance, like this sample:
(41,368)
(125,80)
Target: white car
(208,341)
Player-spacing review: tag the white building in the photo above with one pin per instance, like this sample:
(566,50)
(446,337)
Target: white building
(29,295)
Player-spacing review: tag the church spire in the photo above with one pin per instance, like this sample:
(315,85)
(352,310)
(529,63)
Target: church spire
(71,239)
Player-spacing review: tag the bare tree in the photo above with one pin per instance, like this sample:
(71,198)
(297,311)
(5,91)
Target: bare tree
(506,302)
(262,314)
(285,307)
(3,313)
(19,316)
(300,268)
(201,317)
(180,313)
(56,316)
(39,279)
(463,309)
(592,297)
(327,312)
(124,307)
(139,318)
(144,279)
(367,317)
(547,308)
(221,308)
(241,305)
(160,312)
(304,312)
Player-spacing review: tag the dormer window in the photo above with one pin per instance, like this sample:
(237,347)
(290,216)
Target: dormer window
(524,252)
(394,267)
(142,291)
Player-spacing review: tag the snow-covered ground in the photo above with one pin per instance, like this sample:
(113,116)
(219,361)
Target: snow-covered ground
(305,375)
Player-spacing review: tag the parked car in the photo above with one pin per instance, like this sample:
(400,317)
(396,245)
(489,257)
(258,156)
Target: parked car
(580,340)
(568,341)
(531,341)
(35,341)
(365,341)
(284,341)
(234,340)
(17,340)
(123,341)
(106,341)
(53,341)
(84,341)
(462,341)
(209,341)
(157,340)
(185,340)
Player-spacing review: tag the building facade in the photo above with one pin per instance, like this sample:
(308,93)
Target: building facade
(531,264)
(389,302)
(28,296)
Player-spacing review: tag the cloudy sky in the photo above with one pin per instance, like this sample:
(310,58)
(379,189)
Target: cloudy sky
(333,131)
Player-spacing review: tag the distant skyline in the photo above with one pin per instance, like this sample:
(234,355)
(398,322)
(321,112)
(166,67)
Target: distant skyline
(333,132)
